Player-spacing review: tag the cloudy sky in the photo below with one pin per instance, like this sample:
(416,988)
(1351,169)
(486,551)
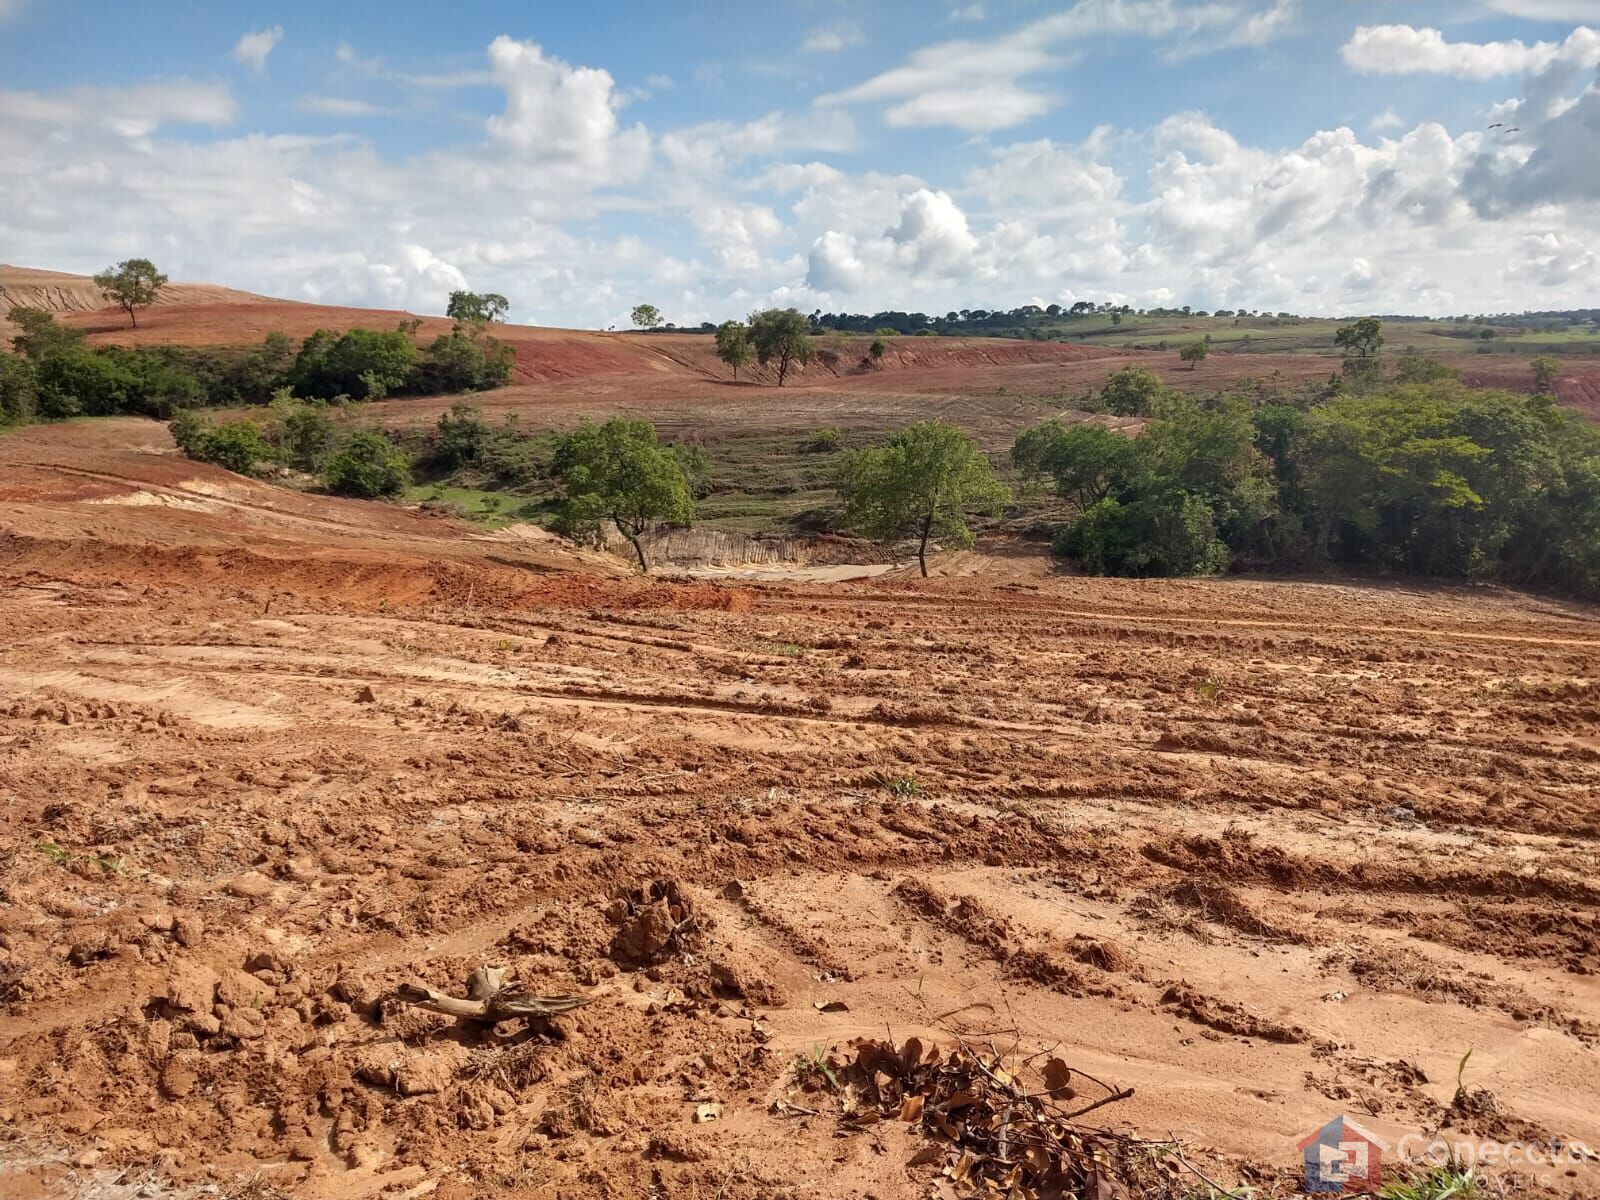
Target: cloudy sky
(1323,156)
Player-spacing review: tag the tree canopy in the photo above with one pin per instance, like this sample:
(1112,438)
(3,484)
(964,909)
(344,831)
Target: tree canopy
(478,307)
(132,284)
(646,316)
(920,483)
(1361,338)
(781,335)
(733,345)
(618,472)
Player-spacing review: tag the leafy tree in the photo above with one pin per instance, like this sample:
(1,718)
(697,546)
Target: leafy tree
(618,472)
(41,333)
(19,390)
(1412,367)
(482,307)
(462,362)
(462,434)
(920,483)
(733,345)
(237,446)
(782,335)
(1086,461)
(1132,391)
(646,316)
(1169,532)
(367,465)
(1362,338)
(1194,353)
(1546,370)
(303,433)
(877,350)
(365,364)
(132,284)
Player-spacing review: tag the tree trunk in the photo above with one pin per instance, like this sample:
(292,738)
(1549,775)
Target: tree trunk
(633,535)
(132,316)
(922,546)
(783,368)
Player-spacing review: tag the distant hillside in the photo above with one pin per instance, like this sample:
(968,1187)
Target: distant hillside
(57,291)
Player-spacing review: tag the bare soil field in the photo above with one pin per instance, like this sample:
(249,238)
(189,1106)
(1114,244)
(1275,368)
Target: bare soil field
(1263,852)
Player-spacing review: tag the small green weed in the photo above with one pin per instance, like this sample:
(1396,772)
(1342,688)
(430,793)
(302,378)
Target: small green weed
(59,855)
(898,785)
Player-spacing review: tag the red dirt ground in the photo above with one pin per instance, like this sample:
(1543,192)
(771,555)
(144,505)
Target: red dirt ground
(1263,851)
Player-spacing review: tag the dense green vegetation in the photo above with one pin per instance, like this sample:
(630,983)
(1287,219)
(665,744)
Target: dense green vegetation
(1422,477)
(52,374)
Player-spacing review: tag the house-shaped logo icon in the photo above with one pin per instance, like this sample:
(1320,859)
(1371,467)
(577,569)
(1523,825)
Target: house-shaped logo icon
(1343,1157)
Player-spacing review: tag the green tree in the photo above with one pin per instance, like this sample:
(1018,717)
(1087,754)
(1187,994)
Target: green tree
(1412,367)
(40,333)
(367,465)
(19,390)
(237,446)
(1132,392)
(462,434)
(464,362)
(1194,353)
(877,350)
(1362,338)
(477,307)
(1087,461)
(733,345)
(618,472)
(646,316)
(132,284)
(920,483)
(1546,370)
(782,335)
(364,364)
(303,432)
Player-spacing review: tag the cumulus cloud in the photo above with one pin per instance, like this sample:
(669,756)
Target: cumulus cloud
(1408,50)
(252,49)
(558,204)
(561,113)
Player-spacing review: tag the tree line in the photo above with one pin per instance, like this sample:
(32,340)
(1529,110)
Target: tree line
(51,373)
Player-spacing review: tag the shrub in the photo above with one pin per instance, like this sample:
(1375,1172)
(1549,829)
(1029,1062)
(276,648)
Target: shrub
(462,434)
(458,362)
(19,390)
(1132,391)
(368,465)
(823,440)
(237,446)
(304,434)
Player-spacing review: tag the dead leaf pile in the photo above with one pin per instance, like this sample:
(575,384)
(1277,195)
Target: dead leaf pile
(991,1135)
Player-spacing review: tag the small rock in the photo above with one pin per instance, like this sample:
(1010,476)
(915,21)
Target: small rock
(366,695)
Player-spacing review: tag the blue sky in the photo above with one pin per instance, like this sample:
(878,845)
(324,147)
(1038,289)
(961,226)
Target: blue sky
(1313,155)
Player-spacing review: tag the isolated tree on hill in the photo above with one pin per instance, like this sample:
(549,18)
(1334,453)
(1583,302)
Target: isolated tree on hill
(1361,339)
(1194,353)
(1546,370)
(132,284)
(618,472)
(484,307)
(646,316)
(782,335)
(733,345)
(920,483)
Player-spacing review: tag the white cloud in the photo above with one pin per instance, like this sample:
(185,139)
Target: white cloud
(560,113)
(984,85)
(968,12)
(1387,119)
(1548,10)
(660,83)
(252,49)
(340,106)
(1408,50)
(830,39)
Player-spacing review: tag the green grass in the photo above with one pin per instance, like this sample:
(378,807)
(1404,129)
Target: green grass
(491,509)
